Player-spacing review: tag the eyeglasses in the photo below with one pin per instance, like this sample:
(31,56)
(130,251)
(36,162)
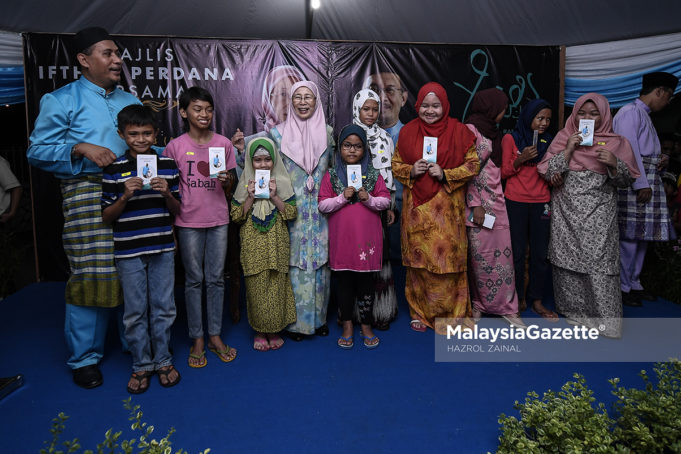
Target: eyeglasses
(390,90)
(357,146)
(306,98)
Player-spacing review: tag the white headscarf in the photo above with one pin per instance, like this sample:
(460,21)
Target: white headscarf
(380,143)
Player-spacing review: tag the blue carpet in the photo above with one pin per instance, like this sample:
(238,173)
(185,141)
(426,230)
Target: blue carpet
(308,397)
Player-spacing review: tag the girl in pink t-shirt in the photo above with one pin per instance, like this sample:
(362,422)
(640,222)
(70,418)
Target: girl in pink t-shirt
(355,235)
(202,223)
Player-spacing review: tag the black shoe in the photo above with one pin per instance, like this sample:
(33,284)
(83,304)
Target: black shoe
(322,330)
(295,336)
(88,377)
(629,299)
(643,295)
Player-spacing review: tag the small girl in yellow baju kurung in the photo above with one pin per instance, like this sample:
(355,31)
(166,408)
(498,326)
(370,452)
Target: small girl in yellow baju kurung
(433,233)
(265,244)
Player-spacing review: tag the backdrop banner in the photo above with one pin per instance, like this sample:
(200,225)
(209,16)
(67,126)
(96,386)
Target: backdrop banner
(249,80)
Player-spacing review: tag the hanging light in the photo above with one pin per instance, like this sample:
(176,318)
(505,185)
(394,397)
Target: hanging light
(315,4)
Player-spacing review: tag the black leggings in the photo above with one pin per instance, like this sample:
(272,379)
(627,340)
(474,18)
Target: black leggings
(354,286)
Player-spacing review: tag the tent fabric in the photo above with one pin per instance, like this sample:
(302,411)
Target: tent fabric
(613,66)
(10,49)
(515,22)
(615,69)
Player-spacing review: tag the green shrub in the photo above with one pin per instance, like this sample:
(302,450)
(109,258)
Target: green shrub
(650,419)
(143,444)
(645,420)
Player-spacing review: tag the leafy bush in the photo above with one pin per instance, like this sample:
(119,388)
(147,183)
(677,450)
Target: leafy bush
(647,420)
(144,444)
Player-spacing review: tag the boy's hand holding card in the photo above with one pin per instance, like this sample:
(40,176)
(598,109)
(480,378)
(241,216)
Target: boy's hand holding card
(216,158)
(147,168)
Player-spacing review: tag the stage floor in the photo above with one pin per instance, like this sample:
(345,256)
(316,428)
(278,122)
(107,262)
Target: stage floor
(307,397)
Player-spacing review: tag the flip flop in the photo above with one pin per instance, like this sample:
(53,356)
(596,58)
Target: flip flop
(165,373)
(346,342)
(138,377)
(415,326)
(369,341)
(201,357)
(225,352)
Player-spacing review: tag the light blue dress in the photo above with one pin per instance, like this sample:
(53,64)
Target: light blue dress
(309,234)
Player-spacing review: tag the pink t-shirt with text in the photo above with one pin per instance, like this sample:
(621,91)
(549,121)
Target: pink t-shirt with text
(203,202)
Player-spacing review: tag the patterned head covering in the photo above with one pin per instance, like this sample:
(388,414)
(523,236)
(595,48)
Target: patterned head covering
(379,140)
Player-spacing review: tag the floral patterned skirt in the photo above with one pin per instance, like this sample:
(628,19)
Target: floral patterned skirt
(432,296)
(491,273)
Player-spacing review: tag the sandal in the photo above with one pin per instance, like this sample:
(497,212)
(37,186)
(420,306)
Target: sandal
(165,372)
(139,377)
(201,360)
(346,342)
(260,344)
(418,325)
(227,352)
(370,342)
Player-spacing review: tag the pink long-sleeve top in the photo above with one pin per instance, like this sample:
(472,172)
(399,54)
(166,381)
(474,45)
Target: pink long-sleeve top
(355,234)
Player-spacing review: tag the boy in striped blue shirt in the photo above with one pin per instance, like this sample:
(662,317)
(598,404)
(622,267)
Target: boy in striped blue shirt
(144,247)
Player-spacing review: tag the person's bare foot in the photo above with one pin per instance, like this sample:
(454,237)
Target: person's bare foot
(260,342)
(224,352)
(275,341)
(543,312)
(197,355)
(347,328)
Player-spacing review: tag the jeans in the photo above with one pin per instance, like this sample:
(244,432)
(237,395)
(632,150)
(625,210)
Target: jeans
(203,255)
(148,284)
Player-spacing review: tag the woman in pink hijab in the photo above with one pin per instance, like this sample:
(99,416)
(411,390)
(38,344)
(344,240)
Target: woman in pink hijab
(584,244)
(306,144)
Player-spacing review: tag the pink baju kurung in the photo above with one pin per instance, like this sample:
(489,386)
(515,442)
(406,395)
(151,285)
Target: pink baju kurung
(490,256)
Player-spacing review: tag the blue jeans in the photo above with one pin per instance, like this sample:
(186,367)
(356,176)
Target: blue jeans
(203,255)
(148,283)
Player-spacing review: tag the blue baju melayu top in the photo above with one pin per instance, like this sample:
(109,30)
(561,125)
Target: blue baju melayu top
(80,112)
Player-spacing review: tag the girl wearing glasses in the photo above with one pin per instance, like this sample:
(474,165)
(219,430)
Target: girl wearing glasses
(306,142)
(355,234)
(366,108)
